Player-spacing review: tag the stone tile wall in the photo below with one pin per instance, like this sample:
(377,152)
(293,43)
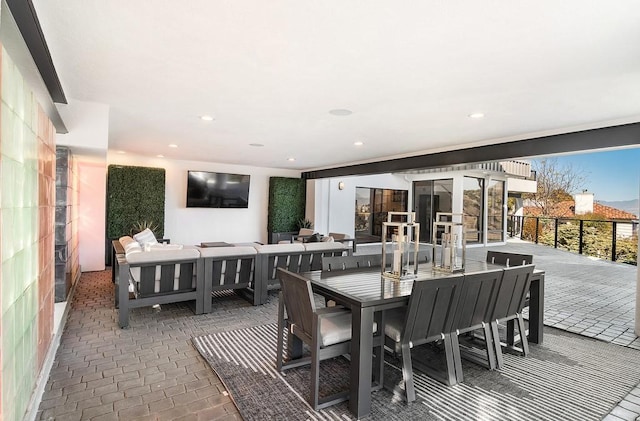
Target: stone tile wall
(27,205)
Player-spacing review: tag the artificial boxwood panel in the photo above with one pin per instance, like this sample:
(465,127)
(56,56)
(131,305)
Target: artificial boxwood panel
(287,198)
(135,195)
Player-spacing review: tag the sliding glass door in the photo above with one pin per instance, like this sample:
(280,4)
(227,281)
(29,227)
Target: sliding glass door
(472,204)
(430,197)
(496,211)
(372,206)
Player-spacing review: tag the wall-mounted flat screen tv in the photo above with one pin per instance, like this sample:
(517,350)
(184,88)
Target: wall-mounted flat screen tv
(217,190)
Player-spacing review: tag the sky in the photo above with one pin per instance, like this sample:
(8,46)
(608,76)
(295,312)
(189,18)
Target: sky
(610,175)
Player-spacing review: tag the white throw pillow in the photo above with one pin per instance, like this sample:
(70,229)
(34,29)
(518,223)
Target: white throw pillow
(132,247)
(145,237)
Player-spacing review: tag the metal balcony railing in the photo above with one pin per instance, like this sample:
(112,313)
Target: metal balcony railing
(605,239)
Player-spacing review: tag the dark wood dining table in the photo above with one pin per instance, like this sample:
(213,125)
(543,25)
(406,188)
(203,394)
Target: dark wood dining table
(367,293)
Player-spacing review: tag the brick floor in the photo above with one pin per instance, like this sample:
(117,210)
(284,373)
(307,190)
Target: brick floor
(152,372)
(147,372)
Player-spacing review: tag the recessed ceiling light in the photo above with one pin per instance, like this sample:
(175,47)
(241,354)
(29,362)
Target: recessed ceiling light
(291,159)
(257,145)
(160,156)
(358,143)
(340,112)
(121,152)
(476,115)
(206,117)
(173,145)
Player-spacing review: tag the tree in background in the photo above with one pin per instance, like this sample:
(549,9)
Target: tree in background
(556,183)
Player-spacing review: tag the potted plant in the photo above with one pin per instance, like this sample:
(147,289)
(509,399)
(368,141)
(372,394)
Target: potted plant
(140,226)
(304,223)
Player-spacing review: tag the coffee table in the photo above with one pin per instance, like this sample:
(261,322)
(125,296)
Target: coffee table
(215,244)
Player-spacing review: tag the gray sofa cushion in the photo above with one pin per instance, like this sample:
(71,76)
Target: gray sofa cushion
(324,246)
(280,248)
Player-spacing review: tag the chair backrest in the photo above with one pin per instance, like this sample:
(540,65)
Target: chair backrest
(338,235)
(477,299)
(298,300)
(305,231)
(509,259)
(513,291)
(351,262)
(431,310)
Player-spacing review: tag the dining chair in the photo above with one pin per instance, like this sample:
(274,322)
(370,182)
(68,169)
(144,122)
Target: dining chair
(338,235)
(509,303)
(303,234)
(508,259)
(331,263)
(367,260)
(327,332)
(428,318)
(477,299)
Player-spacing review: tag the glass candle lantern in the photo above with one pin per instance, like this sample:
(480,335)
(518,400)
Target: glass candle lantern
(402,234)
(449,242)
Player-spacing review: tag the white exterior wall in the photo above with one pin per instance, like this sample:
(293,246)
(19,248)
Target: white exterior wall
(317,210)
(334,209)
(583,203)
(522,186)
(625,229)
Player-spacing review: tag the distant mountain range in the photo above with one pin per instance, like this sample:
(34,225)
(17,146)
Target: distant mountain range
(631,206)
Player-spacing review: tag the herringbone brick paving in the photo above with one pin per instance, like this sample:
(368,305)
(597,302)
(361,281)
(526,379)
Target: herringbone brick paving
(147,372)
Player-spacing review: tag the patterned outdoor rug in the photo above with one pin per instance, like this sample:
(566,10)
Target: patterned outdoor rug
(569,377)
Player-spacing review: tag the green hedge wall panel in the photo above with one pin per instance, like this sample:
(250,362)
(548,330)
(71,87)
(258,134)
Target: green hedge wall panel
(135,195)
(287,198)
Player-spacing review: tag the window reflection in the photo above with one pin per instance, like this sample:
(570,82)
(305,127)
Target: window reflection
(372,206)
(472,208)
(430,197)
(495,208)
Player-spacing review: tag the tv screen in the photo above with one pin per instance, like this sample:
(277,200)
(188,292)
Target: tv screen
(217,190)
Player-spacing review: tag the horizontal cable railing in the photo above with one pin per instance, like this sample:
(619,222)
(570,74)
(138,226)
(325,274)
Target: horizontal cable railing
(611,240)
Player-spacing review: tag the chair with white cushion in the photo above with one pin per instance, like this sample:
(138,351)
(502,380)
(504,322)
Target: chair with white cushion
(327,332)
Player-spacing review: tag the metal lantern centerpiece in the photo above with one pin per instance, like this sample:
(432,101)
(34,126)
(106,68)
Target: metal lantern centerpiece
(446,256)
(402,235)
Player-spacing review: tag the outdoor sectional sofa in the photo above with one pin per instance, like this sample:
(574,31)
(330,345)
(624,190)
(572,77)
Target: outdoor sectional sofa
(164,275)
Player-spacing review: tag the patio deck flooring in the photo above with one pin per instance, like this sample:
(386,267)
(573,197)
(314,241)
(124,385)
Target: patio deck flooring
(591,297)
(152,372)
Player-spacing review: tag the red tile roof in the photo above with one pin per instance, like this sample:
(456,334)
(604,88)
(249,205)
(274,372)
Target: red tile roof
(565,209)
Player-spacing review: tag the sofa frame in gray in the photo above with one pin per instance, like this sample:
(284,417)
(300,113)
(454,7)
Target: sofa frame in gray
(146,295)
(255,275)
(213,270)
(267,265)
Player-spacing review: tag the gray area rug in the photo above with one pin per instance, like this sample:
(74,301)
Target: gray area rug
(567,378)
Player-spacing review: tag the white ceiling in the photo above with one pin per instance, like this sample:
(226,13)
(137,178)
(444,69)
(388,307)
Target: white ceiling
(411,72)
